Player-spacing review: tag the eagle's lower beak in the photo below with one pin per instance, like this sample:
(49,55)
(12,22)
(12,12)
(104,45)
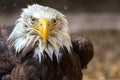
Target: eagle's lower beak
(43,29)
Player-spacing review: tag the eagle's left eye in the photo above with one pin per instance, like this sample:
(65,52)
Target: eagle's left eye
(54,22)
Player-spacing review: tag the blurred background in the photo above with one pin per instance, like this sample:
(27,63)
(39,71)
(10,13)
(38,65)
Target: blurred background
(98,20)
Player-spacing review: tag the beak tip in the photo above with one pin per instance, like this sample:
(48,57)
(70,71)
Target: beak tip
(45,41)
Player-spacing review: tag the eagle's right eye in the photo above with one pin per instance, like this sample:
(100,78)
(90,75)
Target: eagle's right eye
(54,20)
(34,21)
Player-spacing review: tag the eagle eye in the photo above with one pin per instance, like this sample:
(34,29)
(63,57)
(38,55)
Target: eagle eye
(34,21)
(54,20)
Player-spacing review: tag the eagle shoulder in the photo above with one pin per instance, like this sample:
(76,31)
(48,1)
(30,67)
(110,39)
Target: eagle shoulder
(84,48)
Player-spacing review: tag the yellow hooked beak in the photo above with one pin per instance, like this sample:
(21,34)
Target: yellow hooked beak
(43,29)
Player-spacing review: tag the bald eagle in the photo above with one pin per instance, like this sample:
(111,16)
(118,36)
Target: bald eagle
(41,48)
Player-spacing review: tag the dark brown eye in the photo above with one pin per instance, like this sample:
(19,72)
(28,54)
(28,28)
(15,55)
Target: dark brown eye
(33,19)
(54,21)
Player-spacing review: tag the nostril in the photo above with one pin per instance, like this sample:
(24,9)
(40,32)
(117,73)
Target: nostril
(40,24)
(48,25)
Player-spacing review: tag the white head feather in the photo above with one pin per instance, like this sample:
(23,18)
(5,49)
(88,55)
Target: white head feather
(23,34)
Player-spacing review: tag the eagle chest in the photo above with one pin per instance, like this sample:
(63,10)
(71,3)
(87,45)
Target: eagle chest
(68,68)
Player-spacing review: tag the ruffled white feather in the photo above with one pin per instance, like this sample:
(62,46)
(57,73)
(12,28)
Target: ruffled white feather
(21,35)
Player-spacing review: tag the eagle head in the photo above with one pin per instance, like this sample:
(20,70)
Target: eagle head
(46,29)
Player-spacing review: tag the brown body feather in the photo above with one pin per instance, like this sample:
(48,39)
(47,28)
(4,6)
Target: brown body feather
(26,67)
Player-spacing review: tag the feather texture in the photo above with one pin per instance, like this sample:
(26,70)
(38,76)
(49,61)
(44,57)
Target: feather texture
(27,67)
(23,35)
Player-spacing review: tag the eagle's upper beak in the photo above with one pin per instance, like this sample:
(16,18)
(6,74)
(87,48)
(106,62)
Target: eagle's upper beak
(43,29)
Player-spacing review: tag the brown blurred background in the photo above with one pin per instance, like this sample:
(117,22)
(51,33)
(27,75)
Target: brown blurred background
(97,19)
